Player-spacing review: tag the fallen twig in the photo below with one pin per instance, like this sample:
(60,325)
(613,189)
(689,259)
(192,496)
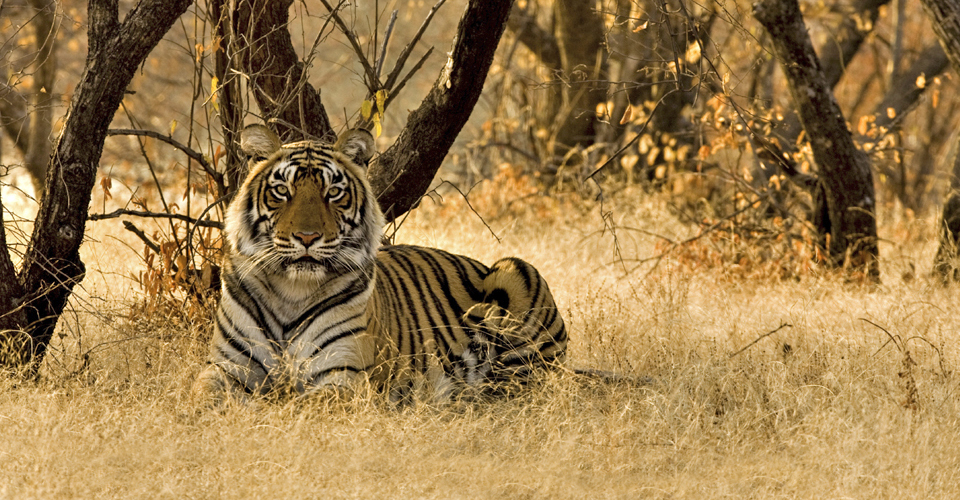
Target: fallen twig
(765,335)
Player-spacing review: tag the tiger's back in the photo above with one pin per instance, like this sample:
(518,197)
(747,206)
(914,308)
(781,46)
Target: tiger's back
(455,320)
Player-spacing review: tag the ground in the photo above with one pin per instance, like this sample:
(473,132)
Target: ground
(855,396)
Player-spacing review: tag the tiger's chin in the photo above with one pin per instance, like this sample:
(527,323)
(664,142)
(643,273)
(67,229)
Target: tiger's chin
(306,269)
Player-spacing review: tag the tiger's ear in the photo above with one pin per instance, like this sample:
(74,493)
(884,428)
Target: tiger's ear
(259,142)
(357,144)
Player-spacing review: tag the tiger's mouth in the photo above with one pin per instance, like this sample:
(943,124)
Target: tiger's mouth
(306,259)
(309,263)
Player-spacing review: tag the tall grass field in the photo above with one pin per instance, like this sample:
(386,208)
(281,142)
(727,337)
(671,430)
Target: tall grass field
(738,376)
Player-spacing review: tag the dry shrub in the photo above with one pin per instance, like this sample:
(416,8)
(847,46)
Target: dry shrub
(509,194)
(738,251)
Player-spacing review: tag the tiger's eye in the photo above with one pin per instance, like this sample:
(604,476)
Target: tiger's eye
(281,191)
(334,192)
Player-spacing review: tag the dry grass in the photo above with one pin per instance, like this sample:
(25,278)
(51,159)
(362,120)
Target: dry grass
(842,412)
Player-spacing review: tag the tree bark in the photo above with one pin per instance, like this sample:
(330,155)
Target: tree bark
(836,54)
(231,104)
(536,39)
(903,93)
(580,39)
(851,238)
(946,23)
(265,52)
(52,265)
(404,172)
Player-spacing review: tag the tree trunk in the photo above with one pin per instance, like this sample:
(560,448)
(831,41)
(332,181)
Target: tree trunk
(837,53)
(946,265)
(231,104)
(28,119)
(580,40)
(402,173)
(45,71)
(851,238)
(265,52)
(51,264)
(946,23)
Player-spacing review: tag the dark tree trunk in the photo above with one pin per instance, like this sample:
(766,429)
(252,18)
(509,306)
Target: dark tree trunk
(836,54)
(946,265)
(946,24)
(265,52)
(402,173)
(903,93)
(851,238)
(41,123)
(536,39)
(51,264)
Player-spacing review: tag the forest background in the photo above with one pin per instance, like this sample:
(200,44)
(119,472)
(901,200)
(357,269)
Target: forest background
(645,155)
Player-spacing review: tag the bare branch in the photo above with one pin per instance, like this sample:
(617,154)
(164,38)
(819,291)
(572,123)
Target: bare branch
(51,264)
(373,84)
(402,58)
(155,215)
(193,154)
(386,42)
(129,226)
(416,67)
(765,335)
(402,173)
(265,53)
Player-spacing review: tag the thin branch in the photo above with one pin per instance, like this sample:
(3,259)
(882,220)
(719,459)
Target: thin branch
(386,42)
(402,58)
(758,339)
(194,155)
(129,226)
(635,139)
(416,67)
(373,83)
(467,200)
(155,215)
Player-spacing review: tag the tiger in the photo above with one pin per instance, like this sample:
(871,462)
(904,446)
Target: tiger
(314,300)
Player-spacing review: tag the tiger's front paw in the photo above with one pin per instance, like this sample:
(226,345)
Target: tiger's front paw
(211,387)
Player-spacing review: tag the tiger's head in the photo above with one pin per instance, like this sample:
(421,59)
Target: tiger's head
(305,209)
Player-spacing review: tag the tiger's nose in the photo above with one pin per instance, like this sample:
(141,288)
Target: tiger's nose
(306,238)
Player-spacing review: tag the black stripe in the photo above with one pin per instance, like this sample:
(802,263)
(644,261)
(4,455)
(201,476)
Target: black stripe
(427,325)
(242,295)
(322,373)
(237,343)
(354,288)
(405,344)
(329,327)
(342,335)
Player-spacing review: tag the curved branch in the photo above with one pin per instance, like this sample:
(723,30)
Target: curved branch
(194,155)
(156,215)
